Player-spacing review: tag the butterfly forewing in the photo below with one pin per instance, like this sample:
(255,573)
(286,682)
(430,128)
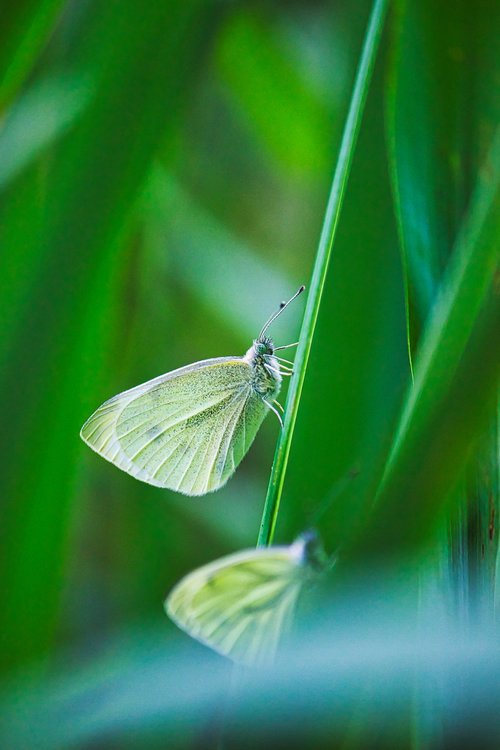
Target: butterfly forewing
(239,605)
(187,430)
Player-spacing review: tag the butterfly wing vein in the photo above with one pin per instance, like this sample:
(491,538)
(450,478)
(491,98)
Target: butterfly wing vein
(239,606)
(187,430)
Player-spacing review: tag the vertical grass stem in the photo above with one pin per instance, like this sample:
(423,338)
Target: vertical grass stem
(334,205)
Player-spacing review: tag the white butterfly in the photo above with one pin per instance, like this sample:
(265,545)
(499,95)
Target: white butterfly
(240,605)
(189,429)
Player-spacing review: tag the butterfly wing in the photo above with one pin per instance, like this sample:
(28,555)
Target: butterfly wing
(240,604)
(187,430)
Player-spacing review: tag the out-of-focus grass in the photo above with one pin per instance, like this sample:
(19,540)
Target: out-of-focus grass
(63,323)
(442,116)
(451,398)
(143,687)
(38,117)
(26,28)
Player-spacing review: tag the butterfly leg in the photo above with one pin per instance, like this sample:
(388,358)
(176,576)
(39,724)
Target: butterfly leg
(287,346)
(270,369)
(277,403)
(275,411)
(284,369)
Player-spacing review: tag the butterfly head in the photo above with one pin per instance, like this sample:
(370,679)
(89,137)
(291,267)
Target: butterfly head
(264,346)
(267,373)
(310,551)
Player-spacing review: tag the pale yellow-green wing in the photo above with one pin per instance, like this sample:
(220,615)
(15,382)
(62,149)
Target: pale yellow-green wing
(187,430)
(240,604)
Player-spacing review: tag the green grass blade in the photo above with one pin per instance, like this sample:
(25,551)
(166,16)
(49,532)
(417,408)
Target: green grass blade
(256,70)
(67,289)
(41,115)
(26,25)
(442,111)
(456,381)
(197,234)
(347,147)
(441,114)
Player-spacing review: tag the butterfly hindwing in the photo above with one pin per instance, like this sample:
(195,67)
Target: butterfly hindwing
(240,604)
(186,430)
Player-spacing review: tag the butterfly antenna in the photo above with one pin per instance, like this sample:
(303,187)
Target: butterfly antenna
(281,308)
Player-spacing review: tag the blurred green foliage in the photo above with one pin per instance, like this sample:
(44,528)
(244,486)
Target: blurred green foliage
(164,169)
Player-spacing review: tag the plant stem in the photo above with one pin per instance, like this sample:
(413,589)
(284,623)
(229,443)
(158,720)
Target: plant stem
(334,205)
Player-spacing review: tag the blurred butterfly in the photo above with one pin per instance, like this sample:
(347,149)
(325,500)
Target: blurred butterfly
(240,604)
(189,429)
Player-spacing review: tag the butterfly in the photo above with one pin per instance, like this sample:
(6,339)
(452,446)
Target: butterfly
(189,429)
(240,604)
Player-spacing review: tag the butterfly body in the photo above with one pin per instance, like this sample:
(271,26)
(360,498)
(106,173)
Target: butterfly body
(266,376)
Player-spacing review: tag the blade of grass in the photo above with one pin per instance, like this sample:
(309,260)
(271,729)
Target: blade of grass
(256,69)
(37,118)
(441,115)
(442,110)
(62,331)
(456,381)
(334,205)
(26,26)
(197,234)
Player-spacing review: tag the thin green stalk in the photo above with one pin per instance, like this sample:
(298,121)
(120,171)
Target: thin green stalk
(392,83)
(334,205)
